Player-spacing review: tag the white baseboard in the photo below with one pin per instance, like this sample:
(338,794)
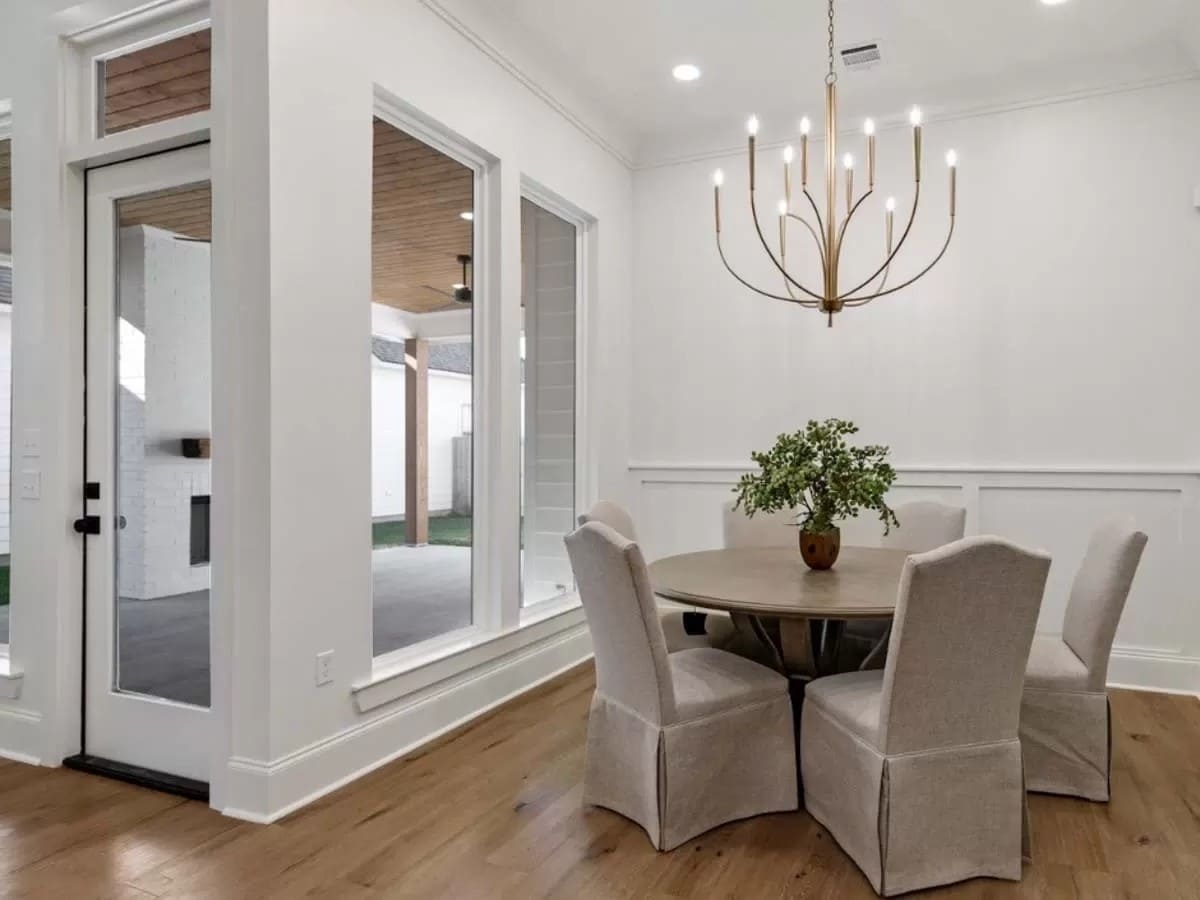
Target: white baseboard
(267,791)
(21,735)
(1153,670)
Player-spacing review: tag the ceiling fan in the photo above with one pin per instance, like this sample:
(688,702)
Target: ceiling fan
(462,291)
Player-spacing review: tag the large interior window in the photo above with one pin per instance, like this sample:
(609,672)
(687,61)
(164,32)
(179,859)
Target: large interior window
(548,250)
(163,81)
(6,286)
(422,371)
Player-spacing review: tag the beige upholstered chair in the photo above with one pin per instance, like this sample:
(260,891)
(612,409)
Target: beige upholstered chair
(1065,716)
(714,630)
(924,526)
(777,529)
(680,742)
(916,769)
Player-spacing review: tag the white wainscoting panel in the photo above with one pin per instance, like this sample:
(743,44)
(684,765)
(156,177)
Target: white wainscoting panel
(678,508)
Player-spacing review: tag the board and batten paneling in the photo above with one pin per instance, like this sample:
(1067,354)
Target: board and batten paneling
(548,294)
(679,507)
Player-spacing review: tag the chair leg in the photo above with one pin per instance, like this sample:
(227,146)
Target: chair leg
(878,654)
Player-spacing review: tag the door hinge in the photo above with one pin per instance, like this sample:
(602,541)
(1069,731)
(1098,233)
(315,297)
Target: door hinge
(88,525)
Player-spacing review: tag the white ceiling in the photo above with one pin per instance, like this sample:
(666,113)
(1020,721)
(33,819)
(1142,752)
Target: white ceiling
(768,56)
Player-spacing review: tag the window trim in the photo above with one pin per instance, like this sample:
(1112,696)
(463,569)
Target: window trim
(88,47)
(486,586)
(585,489)
(10,675)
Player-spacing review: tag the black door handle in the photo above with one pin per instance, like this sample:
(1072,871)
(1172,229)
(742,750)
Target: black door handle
(88,525)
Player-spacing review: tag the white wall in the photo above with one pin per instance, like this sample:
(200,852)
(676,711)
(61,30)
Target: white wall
(288,738)
(1057,335)
(448,393)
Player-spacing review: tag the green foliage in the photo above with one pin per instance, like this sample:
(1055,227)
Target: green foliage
(817,471)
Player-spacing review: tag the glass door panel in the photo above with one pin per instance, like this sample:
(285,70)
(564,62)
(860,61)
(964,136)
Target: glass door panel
(148,464)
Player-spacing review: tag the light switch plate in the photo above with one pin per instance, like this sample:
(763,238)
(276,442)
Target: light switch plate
(31,443)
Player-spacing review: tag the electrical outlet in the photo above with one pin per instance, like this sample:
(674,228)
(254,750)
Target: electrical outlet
(30,484)
(324,668)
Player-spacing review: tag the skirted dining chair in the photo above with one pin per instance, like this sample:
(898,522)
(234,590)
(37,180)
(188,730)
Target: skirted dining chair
(776,529)
(1066,725)
(680,742)
(916,769)
(924,525)
(683,631)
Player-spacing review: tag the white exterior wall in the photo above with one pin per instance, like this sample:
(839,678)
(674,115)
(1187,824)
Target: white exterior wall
(5,426)
(165,396)
(448,393)
(1042,375)
(548,249)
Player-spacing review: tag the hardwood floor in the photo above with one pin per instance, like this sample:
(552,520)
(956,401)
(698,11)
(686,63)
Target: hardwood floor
(494,811)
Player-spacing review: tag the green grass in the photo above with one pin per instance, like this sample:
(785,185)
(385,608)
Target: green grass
(4,570)
(451,531)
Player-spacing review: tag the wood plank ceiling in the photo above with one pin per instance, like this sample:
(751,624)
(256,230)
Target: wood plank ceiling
(418,194)
(159,82)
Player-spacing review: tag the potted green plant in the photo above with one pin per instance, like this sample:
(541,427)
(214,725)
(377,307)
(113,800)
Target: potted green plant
(817,472)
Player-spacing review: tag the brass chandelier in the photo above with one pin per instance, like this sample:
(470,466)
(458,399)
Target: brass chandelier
(828,233)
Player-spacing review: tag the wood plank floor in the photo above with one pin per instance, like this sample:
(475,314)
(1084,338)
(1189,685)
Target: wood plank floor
(494,811)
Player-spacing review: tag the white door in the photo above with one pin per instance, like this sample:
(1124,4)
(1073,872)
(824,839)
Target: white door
(148,471)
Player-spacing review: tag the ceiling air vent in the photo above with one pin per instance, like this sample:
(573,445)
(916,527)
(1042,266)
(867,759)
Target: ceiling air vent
(861,56)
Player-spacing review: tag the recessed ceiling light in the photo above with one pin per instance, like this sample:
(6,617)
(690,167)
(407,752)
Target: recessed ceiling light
(468,216)
(1053,2)
(686,72)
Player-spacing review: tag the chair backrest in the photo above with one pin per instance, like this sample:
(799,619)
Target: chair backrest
(965,618)
(764,530)
(1098,595)
(627,637)
(925,525)
(615,517)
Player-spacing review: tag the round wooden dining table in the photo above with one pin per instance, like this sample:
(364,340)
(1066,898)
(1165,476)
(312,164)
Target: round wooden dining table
(798,614)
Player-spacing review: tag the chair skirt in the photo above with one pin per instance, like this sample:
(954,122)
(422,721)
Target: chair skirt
(681,780)
(918,820)
(1067,740)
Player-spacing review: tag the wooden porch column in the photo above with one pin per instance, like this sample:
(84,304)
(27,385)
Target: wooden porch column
(416,457)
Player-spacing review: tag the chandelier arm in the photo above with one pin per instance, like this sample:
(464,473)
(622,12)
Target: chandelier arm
(820,223)
(846,223)
(813,232)
(860,301)
(767,247)
(912,216)
(745,283)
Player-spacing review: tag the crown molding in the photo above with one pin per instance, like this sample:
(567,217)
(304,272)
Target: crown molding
(530,83)
(950,114)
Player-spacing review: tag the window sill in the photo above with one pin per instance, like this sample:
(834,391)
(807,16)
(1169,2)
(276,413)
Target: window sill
(11,677)
(400,674)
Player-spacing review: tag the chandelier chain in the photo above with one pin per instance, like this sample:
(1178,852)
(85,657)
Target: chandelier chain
(831,78)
